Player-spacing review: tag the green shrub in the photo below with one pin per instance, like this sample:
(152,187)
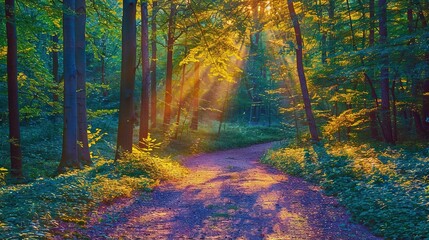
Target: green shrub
(30,210)
(3,173)
(385,188)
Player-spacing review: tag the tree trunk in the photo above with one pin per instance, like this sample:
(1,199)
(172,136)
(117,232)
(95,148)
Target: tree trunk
(371,23)
(384,75)
(12,86)
(300,67)
(394,111)
(153,66)
(82,136)
(69,157)
(144,106)
(55,66)
(371,39)
(373,114)
(169,74)
(195,97)
(179,107)
(128,64)
(425,106)
(352,32)
(103,65)
(331,43)
(424,22)
(319,12)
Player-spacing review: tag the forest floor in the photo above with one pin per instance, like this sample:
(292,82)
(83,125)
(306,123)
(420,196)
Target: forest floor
(227,195)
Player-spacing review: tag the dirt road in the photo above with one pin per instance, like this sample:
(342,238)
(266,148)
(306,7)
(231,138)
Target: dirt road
(228,195)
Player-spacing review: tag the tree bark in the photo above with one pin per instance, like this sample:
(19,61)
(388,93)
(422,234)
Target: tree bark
(69,157)
(82,136)
(373,114)
(153,102)
(169,71)
(12,86)
(128,64)
(144,104)
(179,107)
(384,75)
(331,42)
(425,107)
(352,32)
(394,111)
(103,65)
(371,36)
(55,66)
(195,97)
(300,67)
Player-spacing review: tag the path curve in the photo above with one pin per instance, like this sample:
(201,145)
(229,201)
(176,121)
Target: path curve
(228,195)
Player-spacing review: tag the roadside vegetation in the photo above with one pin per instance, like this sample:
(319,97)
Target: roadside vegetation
(384,187)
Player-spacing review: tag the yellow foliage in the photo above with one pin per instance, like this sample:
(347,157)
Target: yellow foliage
(150,144)
(106,189)
(365,159)
(3,52)
(3,172)
(22,76)
(347,119)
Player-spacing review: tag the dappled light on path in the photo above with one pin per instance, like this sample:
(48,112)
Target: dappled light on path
(228,195)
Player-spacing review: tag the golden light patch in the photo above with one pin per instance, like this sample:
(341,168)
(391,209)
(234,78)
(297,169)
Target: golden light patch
(268,200)
(161,214)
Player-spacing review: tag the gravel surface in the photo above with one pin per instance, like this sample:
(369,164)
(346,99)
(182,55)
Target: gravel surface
(227,195)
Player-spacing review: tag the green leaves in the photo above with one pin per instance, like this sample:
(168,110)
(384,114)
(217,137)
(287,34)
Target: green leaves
(384,189)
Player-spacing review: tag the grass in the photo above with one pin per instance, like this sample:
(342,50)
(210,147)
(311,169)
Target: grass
(43,200)
(384,187)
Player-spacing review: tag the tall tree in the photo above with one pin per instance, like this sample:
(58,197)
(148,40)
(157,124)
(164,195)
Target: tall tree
(373,114)
(180,103)
(332,38)
(196,97)
(12,85)
(69,157)
(144,105)
(82,136)
(103,64)
(128,64)
(153,61)
(301,75)
(384,74)
(169,70)
(55,65)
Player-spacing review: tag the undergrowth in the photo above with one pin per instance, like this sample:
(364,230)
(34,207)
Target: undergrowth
(29,211)
(384,187)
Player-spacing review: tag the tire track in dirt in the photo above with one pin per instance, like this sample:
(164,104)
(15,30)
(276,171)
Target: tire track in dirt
(228,195)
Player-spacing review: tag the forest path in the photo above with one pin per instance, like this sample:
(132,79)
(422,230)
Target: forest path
(228,195)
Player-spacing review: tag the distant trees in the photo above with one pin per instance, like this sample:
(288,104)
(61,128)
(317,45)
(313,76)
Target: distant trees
(196,97)
(12,85)
(360,77)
